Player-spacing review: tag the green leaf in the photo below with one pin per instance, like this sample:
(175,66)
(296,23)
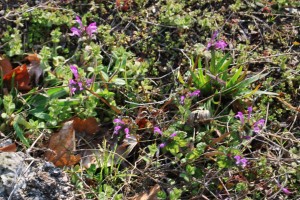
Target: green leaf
(20,134)
(57,92)
(119,81)
(235,77)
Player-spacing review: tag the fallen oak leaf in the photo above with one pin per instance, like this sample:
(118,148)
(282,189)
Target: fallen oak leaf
(20,76)
(89,126)
(62,145)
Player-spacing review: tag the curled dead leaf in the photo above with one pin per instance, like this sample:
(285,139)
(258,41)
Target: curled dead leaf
(62,146)
(20,76)
(88,126)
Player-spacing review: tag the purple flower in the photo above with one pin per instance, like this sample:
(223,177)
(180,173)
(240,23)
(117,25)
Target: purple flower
(88,82)
(126,130)
(116,130)
(75,31)
(74,70)
(157,130)
(173,135)
(250,109)
(162,145)
(182,98)
(78,20)
(92,28)
(118,121)
(220,45)
(257,126)
(286,191)
(283,189)
(240,115)
(195,93)
(241,161)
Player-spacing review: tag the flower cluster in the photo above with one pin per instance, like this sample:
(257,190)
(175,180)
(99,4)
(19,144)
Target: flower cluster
(257,126)
(120,125)
(76,83)
(216,44)
(190,94)
(240,161)
(90,29)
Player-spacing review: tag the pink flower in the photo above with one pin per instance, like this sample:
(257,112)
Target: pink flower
(220,44)
(126,130)
(257,126)
(195,93)
(78,20)
(92,28)
(182,98)
(157,130)
(118,121)
(241,161)
(173,135)
(117,129)
(286,191)
(240,115)
(74,70)
(75,31)
(162,145)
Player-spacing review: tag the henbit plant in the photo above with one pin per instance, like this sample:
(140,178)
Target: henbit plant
(218,78)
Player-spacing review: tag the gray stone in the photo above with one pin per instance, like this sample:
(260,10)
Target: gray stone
(23,177)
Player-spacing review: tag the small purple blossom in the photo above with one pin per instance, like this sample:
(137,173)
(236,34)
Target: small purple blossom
(241,161)
(90,29)
(117,129)
(283,189)
(118,121)
(126,131)
(74,70)
(286,191)
(162,145)
(257,126)
(195,93)
(240,115)
(182,98)
(75,31)
(220,44)
(157,130)
(250,109)
(173,135)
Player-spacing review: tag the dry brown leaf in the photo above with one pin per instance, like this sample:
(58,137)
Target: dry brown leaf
(152,195)
(62,145)
(9,148)
(20,76)
(5,65)
(89,125)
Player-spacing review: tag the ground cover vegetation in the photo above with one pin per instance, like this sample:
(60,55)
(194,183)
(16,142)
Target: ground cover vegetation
(141,99)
